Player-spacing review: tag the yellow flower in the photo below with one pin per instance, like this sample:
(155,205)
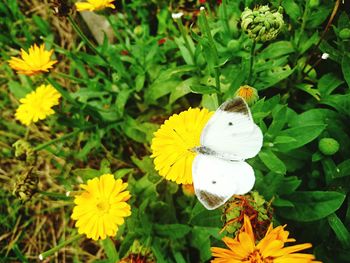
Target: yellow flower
(269,250)
(37,105)
(94,5)
(101,208)
(248,93)
(173,143)
(36,61)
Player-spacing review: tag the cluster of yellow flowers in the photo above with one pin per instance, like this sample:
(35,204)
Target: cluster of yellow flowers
(102,206)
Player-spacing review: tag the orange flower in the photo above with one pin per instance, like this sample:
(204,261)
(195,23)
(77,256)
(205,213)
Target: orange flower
(268,250)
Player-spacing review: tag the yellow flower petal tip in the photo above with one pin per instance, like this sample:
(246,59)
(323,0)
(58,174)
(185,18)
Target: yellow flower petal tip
(102,207)
(37,105)
(37,60)
(244,248)
(94,5)
(173,143)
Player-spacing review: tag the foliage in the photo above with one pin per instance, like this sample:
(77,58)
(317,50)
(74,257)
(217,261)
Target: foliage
(116,94)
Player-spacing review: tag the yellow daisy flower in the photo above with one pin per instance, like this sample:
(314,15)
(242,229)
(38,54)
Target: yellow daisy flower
(36,61)
(37,105)
(94,5)
(268,250)
(173,143)
(101,208)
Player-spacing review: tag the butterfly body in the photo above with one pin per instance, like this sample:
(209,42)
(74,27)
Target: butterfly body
(219,170)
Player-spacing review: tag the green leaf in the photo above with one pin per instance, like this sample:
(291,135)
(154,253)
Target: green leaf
(273,76)
(284,139)
(292,9)
(140,82)
(110,249)
(340,230)
(203,217)
(182,89)
(328,83)
(330,170)
(86,173)
(201,89)
(278,122)
(344,168)
(308,88)
(340,102)
(276,50)
(179,257)
(172,231)
(279,202)
(345,65)
(18,90)
(267,185)
(312,206)
(302,135)
(210,101)
(160,89)
(200,239)
(272,161)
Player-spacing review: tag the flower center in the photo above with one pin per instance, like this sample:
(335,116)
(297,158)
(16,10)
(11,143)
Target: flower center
(103,206)
(256,257)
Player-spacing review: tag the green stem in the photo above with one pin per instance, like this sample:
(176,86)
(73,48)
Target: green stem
(303,24)
(116,33)
(26,136)
(184,36)
(85,39)
(213,47)
(62,138)
(224,12)
(51,251)
(251,63)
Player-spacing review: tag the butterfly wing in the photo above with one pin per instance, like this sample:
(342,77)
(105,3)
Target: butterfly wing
(231,132)
(215,180)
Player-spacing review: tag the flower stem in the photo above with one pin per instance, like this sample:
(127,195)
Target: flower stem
(224,12)
(184,36)
(213,47)
(85,39)
(62,138)
(251,63)
(59,246)
(26,136)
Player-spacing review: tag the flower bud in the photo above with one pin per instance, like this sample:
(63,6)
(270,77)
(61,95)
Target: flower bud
(328,146)
(262,24)
(344,33)
(188,189)
(248,93)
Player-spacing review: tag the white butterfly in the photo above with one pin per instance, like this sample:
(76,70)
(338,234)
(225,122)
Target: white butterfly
(219,170)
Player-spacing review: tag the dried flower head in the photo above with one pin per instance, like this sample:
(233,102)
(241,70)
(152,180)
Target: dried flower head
(252,205)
